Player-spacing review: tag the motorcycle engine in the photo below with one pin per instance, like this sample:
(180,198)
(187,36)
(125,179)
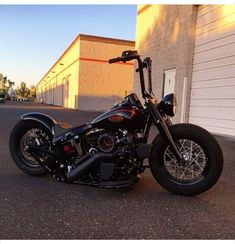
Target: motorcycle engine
(118,168)
(106,142)
(100,140)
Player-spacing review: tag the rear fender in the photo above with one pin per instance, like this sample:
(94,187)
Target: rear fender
(41,118)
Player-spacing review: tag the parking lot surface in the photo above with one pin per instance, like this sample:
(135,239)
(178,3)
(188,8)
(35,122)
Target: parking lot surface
(41,208)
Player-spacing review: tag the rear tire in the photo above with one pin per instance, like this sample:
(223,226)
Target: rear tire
(27,165)
(209,149)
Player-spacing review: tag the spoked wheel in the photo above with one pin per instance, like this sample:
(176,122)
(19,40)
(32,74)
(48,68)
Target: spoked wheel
(192,168)
(24,135)
(200,168)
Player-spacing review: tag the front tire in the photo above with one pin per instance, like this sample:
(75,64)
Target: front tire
(204,163)
(20,133)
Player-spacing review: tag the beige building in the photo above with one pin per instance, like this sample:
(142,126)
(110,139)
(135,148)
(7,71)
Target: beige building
(193,53)
(83,79)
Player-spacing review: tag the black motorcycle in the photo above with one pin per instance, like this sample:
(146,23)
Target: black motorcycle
(111,150)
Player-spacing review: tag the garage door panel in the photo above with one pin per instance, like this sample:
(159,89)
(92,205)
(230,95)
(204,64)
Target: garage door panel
(221,32)
(213,93)
(223,123)
(217,43)
(212,54)
(223,130)
(205,30)
(228,82)
(213,18)
(58,96)
(200,7)
(47,97)
(214,63)
(212,101)
(229,103)
(213,113)
(216,73)
(203,10)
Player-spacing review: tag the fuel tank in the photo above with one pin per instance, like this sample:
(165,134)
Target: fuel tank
(127,114)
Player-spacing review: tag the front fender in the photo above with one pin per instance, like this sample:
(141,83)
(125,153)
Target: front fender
(41,118)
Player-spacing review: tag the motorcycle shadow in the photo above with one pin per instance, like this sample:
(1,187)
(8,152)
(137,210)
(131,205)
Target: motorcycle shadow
(145,188)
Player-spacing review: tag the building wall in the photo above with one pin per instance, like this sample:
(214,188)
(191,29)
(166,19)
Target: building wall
(83,79)
(102,84)
(166,34)
(53,86)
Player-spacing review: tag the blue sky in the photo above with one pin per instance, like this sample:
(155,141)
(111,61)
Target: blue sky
(33,37)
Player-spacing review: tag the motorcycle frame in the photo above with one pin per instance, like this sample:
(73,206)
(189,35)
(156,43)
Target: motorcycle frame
(161,121)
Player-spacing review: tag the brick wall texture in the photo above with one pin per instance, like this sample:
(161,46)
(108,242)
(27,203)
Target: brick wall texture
(166,34)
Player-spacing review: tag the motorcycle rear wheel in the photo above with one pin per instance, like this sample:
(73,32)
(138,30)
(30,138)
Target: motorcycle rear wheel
(201,168)
(22,132)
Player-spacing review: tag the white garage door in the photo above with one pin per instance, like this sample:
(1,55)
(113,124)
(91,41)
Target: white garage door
(58,95)
(212,103)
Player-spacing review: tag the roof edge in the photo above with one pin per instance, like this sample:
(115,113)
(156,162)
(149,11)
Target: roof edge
(105,39)
(86,37)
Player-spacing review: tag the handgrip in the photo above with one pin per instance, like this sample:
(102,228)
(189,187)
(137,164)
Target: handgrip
(114,60)
(126,56)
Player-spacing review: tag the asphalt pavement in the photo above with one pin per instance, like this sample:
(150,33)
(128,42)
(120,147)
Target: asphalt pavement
(42,208)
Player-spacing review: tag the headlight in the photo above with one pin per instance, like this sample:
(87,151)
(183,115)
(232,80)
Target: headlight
(168,105)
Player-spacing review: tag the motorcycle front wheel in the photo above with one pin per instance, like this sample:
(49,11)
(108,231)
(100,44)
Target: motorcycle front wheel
(198,171)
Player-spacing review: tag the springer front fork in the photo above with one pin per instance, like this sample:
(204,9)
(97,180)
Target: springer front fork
(163,127)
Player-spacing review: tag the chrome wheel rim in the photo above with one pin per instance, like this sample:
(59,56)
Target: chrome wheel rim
(192,167)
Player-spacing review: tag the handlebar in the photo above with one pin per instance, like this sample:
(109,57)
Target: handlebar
(126,56)
(130,55)
(146,64)
(114,60)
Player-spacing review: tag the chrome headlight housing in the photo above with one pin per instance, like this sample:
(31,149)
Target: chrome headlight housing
(168,105)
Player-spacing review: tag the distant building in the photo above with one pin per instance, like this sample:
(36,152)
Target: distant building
(83,79)
(193,53)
